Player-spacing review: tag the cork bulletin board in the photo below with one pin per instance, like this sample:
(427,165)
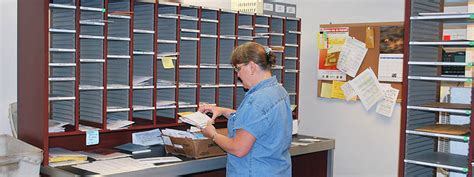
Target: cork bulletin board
(359,31)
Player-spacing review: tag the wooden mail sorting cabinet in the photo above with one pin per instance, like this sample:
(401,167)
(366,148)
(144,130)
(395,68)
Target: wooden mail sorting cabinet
(97,63)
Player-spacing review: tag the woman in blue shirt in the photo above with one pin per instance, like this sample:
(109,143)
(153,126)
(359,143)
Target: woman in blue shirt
(259,131)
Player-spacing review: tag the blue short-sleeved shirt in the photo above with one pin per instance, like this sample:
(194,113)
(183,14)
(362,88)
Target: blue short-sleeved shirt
(265,113)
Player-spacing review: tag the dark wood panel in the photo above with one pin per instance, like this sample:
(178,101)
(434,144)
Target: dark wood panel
(307,165)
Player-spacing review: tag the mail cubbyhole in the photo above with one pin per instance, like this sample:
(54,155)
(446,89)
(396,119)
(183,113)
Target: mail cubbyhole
(278,59)
(92,74)
(91,49)
(208,51)
(277,25)
(117,100)
(143,16)
(290,51)
(227,23)
(143,42)
(290,82)
(62,89)
(62,72)
(63,18)
(119,27)
(119,6)
(187,98)
(63,2)
(290,64)
(62,57)
(92,3)
(165,76)
(240,95)
(166,116)
(165,98)
(118,72)
(91,107)
(63,40)
(167,9)
(165,49)
(63,111)
(208,77)
(118,47)
(291,38)
(226,47)
(226,76)
(277,73)
(143,105)
(291,25)
(226,97)
(143,70)
(188,53)
(276,40)
(167,28)
(261,20)
(187,77)
(207,96)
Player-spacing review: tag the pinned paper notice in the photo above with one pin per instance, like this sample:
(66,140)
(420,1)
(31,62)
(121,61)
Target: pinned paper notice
(167,62)
(349,92)
(386,106)
(351,57)
(369,38)
(336,90)
(326,90)
(92,137)
(367,88)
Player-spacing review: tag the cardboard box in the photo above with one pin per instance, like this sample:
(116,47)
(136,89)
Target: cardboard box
(200,148)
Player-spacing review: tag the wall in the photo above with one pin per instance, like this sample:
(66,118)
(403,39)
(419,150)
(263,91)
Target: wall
(8,75)
(366,143)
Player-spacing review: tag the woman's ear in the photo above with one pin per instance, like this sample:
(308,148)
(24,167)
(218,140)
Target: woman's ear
(253,67)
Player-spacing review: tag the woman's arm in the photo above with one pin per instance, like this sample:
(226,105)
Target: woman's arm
(216,111)
(239,146)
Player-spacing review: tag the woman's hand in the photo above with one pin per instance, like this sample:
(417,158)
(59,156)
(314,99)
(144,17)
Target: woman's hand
(210,130)
(216,111)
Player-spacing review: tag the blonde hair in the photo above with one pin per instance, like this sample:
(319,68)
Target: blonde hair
(252,51)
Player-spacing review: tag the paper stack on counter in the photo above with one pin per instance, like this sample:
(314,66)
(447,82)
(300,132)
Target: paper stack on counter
(61,157)
(197,119)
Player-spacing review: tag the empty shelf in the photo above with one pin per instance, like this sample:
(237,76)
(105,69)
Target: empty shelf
(291,45)
(443,43)
(441,135)
(142,108)
(117,87)
(143,53)
(53,30)
(291,71)
(83,60)
(91,37)
(61,98)
(291,58)
(117,109)
(209,35)
(92,9)
(209,20)
(119,16)
(261,26)
(62,64)
(119,56)
(61,50)
(226,85)
(439,159)
(61,6)
(439,63)
(143,31)
(294,32)
(167,41)
(62,79)
(439,78)
(444,107)
(118,38)
(90,87)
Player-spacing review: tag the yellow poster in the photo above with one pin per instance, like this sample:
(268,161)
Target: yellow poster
(167,62)
(326,90)
(337,92)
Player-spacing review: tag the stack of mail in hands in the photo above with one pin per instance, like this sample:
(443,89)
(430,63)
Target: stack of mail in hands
(197,119)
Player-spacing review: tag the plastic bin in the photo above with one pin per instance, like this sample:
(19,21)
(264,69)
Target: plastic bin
(19,159)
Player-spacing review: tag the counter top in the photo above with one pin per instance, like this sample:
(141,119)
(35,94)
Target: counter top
(189,166)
